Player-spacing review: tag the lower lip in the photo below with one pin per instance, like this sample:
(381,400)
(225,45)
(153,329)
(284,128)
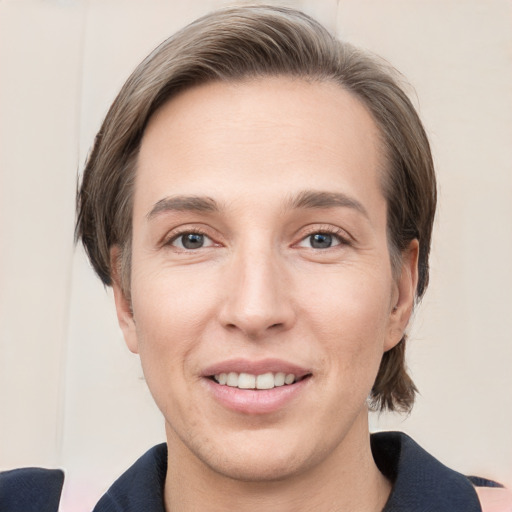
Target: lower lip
(251,401)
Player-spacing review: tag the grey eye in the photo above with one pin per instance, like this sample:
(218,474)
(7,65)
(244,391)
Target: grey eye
(321,240)
(192,241)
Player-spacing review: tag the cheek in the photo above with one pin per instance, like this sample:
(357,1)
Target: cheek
(352,301)
(171,303)
(350,316)
(171,310)
(167,327)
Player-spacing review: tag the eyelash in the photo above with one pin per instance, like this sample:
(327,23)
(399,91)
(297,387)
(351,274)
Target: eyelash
(339,234)
(176,235)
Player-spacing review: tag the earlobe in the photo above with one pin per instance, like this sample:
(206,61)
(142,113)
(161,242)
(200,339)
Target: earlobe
(123,303)
(405,294)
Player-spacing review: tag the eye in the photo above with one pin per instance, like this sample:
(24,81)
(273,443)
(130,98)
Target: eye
(321,240)
(190,241)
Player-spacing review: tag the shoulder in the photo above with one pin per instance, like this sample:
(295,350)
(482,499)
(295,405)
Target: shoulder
(31,489)
(495,499)
(422,483)
(140,487)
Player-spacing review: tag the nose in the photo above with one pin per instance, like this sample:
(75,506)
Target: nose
(257,299)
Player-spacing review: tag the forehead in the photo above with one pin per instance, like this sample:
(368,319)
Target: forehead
(261,135)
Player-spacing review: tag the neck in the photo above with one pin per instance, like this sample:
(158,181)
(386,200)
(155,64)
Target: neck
(346,480)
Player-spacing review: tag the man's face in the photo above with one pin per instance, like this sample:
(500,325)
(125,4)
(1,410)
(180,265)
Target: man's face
(260,256)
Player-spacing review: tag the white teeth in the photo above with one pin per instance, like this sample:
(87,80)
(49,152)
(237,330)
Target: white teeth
(232,379)
(267,380)
(222,378)
(246,381)
(279,379)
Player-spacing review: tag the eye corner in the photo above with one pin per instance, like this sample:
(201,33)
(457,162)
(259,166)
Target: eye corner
(322,238)
(189,239)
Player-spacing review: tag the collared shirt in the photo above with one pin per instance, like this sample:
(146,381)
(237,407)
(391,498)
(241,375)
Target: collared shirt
(420,483)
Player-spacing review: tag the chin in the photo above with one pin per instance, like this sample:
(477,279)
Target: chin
(259,458)
(251,468)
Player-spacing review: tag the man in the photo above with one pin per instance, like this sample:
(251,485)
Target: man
(261,198)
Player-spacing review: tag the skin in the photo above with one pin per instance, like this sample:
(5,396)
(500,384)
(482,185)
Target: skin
(495,500)
(257,289)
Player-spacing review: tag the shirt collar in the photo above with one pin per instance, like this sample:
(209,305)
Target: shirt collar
(420,482)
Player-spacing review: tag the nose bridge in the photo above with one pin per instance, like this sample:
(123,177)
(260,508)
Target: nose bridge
(257,299)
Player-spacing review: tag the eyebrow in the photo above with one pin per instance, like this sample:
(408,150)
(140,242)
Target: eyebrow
(184,204)
(307,199)
(319,199)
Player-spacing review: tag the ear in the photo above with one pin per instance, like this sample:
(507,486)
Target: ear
(404,293)
(123,303)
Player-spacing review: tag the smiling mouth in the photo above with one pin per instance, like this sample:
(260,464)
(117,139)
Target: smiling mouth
(267,380)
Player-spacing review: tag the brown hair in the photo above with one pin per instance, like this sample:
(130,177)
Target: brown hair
(250,42)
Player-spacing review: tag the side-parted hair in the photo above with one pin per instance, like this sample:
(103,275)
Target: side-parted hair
(250,42)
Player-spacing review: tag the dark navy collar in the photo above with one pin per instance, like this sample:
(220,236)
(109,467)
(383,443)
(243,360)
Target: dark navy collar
(420,482)
(30,490)
(140,489)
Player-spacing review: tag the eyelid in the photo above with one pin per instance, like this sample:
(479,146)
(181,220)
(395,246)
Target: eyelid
(207,242)
(173,235)
(343,237)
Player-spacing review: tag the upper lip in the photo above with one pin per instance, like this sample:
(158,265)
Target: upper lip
(255,367)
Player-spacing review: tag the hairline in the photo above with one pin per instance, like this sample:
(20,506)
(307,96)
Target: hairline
(383,170)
